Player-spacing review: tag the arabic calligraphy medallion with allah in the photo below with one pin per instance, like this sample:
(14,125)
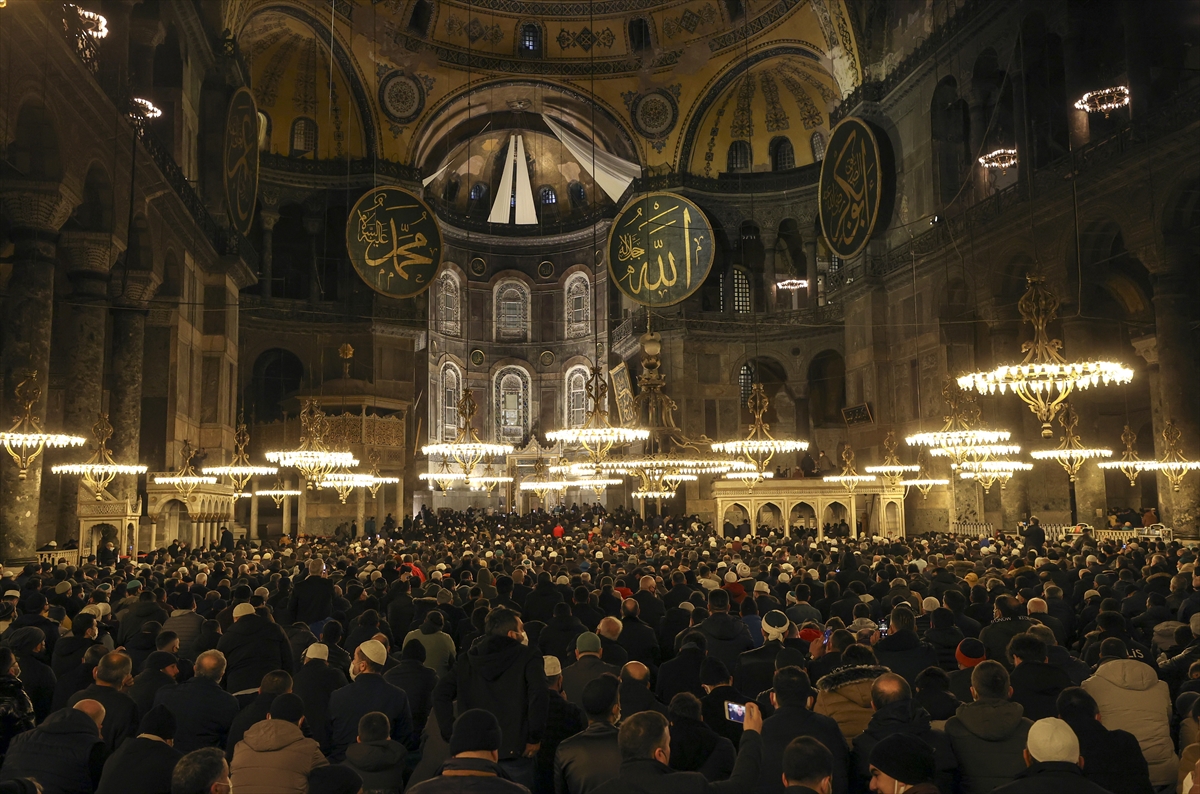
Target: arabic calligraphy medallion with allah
(851,189)
(394,241)
(241,160)
(660,249)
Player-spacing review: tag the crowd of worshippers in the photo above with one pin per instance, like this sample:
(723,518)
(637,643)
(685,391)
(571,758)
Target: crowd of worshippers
(570,654)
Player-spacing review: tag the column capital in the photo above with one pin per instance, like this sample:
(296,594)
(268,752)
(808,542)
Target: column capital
(147,32)
(37,208)
(89,252)
(1147,348)
(133,288)
(268,218)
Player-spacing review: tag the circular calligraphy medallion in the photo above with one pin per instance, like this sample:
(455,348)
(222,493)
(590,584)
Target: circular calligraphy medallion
(851,189)
(241,160)
(478,266)
(660,249)
(545,268)
(394,241)
(477,357)
(546,359)
(401,97)
(654,113)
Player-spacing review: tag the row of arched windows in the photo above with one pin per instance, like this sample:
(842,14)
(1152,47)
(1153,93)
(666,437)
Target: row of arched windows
(510,398)
(511,307)
(740,156)
(529,40)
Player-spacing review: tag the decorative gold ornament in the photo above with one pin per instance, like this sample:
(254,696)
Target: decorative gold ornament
(849,478)
(240,471)
(892,469)
(759,447)
(1070,453)
(100,469)
(1129,464)
(1105,100)
(312,457)
(467,449)
(25,440)
(185,480)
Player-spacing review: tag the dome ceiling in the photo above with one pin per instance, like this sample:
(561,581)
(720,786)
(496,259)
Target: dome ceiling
(647,77)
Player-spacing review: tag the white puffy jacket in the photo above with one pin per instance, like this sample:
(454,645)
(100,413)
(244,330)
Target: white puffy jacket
(1132,698)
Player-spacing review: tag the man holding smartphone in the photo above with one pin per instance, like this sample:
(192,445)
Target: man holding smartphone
(645,744)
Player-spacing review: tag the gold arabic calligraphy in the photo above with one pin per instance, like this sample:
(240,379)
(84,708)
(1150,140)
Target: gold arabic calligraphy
(631,249)
(849,199)
(401,245)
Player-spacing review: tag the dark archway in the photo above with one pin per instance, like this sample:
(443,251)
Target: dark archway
(827,389)
(277,374)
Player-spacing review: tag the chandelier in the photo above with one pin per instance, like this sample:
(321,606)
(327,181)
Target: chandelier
(541,484)
(144,110)
(791,284)
(488,480)
(377,480)
(596,436)
(1003,159)
(759,447)
(240,471)
(1070,453)
(923,482)
(443,478)
(1129,464)
(959,439)
(1044,379)
(1105,100)
(278,493)
(100,469)
(467,450)
(892,469)
(1173,465)
(312,458)
(849,478)
(25,440)
(988,472)
(751,476)
(186,481)
(95,25)
(344,482)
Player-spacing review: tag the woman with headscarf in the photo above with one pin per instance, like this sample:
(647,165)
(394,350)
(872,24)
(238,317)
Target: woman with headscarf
(36,676)
(16,710)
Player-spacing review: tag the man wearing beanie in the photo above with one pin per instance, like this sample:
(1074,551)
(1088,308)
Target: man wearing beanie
(143,764)
(275,757)
(718,688)
(161,669)
(682,674)
(1053,763)
(253,646)
(503,674)
(473,766)
(588,666)
(367,692)
(970,652)
(902,764)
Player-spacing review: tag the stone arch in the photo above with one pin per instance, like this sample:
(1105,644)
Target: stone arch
(95,211)
(802,514)
(949,128)
(827,389)
(35,151)
(276,373)
(770,516)
(735,514)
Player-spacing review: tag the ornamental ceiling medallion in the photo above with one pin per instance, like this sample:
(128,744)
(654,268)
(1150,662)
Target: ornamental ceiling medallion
(241,160)
(660,249)
(394,241)
(856,186)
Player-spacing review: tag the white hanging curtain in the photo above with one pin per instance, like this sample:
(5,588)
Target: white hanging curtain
(611,173)
(526,214)
(502,207)
(425,182)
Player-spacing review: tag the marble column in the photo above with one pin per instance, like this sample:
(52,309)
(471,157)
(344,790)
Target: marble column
(810,265)
(1010,415)
(287,513)
(87,257)
(770,293)
(252,533)
(35,211)
(360,510)
(1091,494)
(302,507)
(313,224)
(130,292)
(267,258)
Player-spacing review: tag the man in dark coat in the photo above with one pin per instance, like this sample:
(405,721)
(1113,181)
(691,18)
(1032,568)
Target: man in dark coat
(120,712)
(539,605)
(1036,684)
(28,643)
(417,681)
(203,711)
(367,692)
(312,597)
(682,674)
(69,650)
(635,690)
(902,650)
(253,646)
(504,676)
(645,743)
(274,684)
(728,637)
(1006,624)
(473,766)
(591,758)
(563,719)
(76,680)
(1112,759)
(144,763)
(1035,536)
(376,757)
(33,608)
(756,668)
(653,610)
(314,683)
(793,695)
(558,636)
(65,754)
(146,610)
(588,666)
(1053,763)
(717,683)
(897,712)
(161,669)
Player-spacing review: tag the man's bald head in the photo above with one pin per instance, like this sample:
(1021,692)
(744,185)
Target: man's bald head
(92,708)
(635,671)
(610,628)
(889,688)
(1035,605)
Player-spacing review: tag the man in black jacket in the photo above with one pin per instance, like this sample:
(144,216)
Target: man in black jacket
(64,754)
(1112,759)
(312,598)
(682,674)
(253,646)
(314,683)
(474,763)
(588,666)
(203,711)
(792,697)
(589,759)
(645,743)
(503,675)
(112,676)
(902,650)
(367,692)
(1035,683)
(161,669)
(144,763)
(637,637)
(727,635)
(417,681)
(895,711)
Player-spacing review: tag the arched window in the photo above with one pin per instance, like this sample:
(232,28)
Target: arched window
(578,305)
(547,195)
(639,35)
(576,397)
(531,40)
(304,137)
(745,382)
(448,302)
(735,9)
(451,391)
(578,195)
(783,157)
(511,405)
(479,191)
(512,311)
(817,141)
(418,21)
(741,292)
(477,204)
(739,156)
(264,132)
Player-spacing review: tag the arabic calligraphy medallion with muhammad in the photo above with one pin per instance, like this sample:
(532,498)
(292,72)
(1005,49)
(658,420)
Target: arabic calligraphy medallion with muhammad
(394,241)
(660,249)
(241,160)
(851,187)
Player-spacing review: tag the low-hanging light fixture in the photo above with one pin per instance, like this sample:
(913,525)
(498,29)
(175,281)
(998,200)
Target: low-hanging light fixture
(312,458)
(1104,100)
(1044,379)
(759,447)
(100,469)
(597,436)
(1070,453)
(849,478)
(988,472)
(960,437)
(1173,465)
(186,480)
(1002,159)
(25,440)
(892,470)
(240,470)
(1129,464)
(923,481)
(278,492)
(467,449)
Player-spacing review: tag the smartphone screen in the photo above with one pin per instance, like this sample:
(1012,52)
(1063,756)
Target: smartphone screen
(735,712)
(883,626)
(828,634)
